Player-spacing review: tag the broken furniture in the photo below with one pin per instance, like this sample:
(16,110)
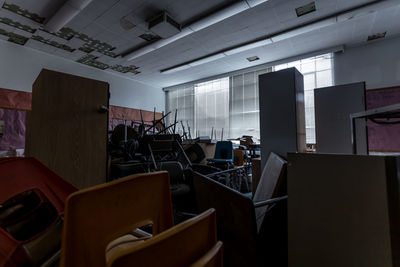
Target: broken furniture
(67,127)
(282,118)
(343,210)
(223,156)
(96,216)
(380,115)
(32,201)
(254,233)
(163,147)
(180,246)
(333,106)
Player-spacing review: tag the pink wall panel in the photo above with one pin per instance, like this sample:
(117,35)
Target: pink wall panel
(383,138)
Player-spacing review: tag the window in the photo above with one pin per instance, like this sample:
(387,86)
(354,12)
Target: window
(232,104)
(181,99)
(244,111)
(211,108)
(317,73)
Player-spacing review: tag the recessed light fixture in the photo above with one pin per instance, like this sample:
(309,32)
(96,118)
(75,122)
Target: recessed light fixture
(303,10)
(376,36)
(251,59)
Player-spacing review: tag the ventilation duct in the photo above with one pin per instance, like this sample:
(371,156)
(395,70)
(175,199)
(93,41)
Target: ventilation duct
(65,14)
(212,19)
(367,9)
(340,17)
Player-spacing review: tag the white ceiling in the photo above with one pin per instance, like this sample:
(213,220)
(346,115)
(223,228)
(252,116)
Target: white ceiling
(100,20)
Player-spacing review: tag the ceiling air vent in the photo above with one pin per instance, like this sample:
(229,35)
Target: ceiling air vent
(164,25)
(149,37)
(376,36)
(251,59)
(303,10)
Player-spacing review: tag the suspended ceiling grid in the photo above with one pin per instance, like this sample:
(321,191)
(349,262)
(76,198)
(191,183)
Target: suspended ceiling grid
(107,28)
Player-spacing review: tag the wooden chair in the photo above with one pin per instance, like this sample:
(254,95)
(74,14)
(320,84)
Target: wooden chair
(190,242)
(213,258)
(98,215)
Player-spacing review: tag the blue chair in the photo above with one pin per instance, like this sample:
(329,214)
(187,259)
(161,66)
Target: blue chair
(223,154)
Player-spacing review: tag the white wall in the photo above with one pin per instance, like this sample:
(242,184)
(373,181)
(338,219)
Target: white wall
(377,63)
(19,67)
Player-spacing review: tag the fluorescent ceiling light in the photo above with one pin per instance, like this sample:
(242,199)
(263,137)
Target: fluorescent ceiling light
(305,29)
(253,3)
(206,60)
(247,47)
(175,69)
(65,14)
(380,5)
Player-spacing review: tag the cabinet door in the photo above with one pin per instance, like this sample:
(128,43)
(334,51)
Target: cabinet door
(66,129)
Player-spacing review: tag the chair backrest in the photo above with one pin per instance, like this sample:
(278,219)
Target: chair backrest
(236,222)
(175,170)
(97,215)
(224,150)
(213,258)
(179,246)
(271,179)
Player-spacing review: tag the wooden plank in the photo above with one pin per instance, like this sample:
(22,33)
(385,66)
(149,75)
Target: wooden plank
(340,211)
(270,181)
(65,129)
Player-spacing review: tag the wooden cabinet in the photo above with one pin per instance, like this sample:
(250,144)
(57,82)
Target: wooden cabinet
(66,129)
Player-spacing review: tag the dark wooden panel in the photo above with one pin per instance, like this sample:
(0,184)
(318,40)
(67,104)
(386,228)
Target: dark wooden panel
(65,129)
(343,210)
(236,224)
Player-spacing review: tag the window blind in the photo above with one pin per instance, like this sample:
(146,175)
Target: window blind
(182,100)
(211,107)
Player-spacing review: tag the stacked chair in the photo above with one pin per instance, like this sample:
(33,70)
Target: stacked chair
(32,201)
(193,242)
(101,222)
